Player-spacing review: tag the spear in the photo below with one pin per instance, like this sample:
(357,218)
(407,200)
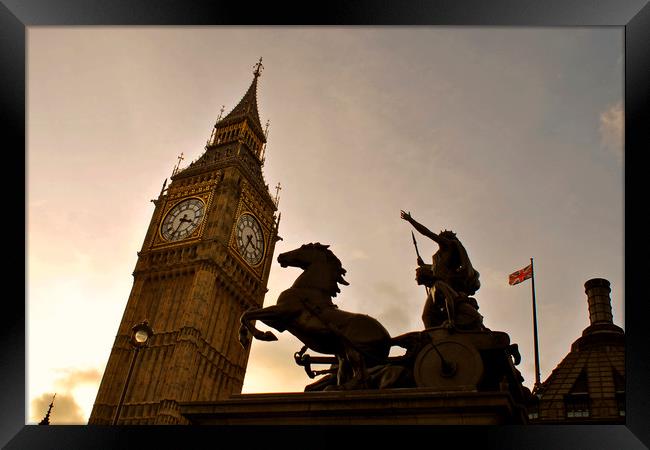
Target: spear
(420,261)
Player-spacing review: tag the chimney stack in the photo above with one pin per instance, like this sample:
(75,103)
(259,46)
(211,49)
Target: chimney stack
(600,308)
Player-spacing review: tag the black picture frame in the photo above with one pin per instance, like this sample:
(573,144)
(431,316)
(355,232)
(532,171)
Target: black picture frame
(632,15)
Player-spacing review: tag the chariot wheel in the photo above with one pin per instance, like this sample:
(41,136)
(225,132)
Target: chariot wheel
(462,368)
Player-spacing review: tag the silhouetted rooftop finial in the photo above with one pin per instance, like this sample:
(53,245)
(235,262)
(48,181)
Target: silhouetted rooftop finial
(46,419)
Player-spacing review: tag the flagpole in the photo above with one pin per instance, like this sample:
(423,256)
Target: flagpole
(537,381)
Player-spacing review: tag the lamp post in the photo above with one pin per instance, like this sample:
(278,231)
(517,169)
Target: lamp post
(140,336)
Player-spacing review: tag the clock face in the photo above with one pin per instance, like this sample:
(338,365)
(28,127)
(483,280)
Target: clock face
(250,239)
(181,221)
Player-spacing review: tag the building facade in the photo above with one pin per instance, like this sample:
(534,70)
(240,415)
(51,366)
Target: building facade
(205,259)
(588,385)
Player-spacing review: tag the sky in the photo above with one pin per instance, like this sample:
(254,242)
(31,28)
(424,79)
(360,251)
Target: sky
(511,137)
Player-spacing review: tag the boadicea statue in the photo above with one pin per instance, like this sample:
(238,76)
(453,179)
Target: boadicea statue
(449,280)
(454,352)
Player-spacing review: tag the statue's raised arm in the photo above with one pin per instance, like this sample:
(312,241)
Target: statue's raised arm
(421,228)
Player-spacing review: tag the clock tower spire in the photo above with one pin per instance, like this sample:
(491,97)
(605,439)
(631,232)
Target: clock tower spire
(205,259)
(243,122)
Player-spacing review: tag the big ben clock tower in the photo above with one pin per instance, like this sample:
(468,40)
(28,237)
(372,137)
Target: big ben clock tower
(205,260)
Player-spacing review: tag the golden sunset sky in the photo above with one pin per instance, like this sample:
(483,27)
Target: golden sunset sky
(511,137)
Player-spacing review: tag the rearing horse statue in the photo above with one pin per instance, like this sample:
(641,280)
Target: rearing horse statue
(306,310)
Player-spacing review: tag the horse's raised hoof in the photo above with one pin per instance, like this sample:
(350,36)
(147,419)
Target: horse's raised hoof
(268,336)
(244,338)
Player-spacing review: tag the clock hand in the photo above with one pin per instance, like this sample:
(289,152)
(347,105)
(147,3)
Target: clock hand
(250,239)
(180,222)
(179,225)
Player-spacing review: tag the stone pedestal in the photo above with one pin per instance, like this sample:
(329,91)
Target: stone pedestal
(413,406)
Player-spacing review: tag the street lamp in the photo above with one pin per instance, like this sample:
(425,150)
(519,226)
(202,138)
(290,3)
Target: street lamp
(140,336)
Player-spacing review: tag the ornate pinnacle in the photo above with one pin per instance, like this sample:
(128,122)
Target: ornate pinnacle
(46,419)
(277,194)
(266,129)
(258,68)
(180,158)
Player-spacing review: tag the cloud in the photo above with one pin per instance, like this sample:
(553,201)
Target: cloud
(397,319)
(358,254)
(388,289)
(397,312)
(611,129)
(65,411)
(274,369)
(74,378)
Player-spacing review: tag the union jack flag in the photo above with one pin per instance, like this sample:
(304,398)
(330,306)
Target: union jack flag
(520,275)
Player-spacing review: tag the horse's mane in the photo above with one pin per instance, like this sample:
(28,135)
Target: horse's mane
(335,263)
